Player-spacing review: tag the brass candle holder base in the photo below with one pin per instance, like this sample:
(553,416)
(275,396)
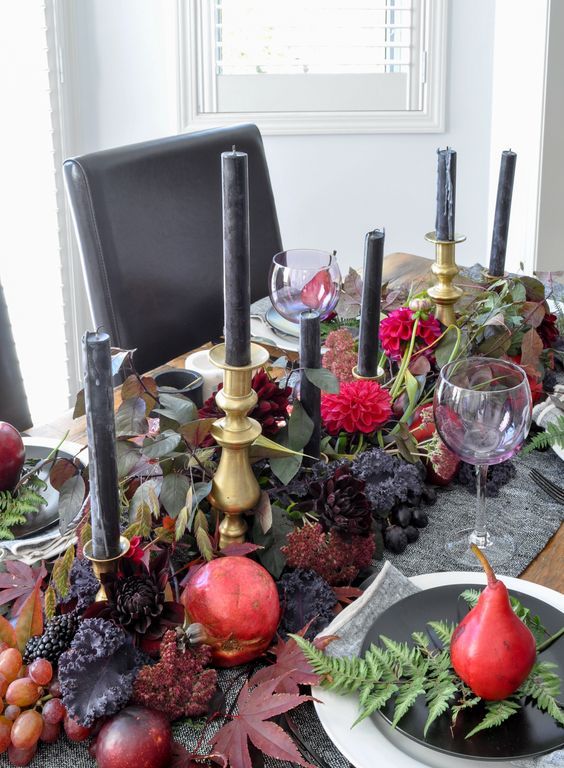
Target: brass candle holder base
(100,567)
(379,376)
(234,487)
(444,293)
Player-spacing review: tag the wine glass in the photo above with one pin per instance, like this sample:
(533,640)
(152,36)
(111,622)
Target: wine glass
(303,280)
(482,412)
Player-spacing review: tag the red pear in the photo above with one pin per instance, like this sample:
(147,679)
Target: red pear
(12,456)
(491,649)
(315,292)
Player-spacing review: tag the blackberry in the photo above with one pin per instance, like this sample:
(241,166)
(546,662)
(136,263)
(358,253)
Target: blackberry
(56,638)
(395,539)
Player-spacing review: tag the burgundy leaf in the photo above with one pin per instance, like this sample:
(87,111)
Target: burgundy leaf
(291,668)
(255,707)
(18,583)
(240,550)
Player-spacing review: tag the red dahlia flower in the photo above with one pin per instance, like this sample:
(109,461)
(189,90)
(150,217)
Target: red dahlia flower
(396,331)
(360,406)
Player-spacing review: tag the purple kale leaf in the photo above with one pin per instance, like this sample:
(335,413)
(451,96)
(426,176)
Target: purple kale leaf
(305,596)
(98,671)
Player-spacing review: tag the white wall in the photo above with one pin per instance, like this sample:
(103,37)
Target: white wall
(330,190)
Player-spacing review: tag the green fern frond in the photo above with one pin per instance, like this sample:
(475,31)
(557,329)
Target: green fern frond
(438,698)
(14,510)
(543,685)
(443,630)
(407,696)
(531,622)
(553,435)
(497,712)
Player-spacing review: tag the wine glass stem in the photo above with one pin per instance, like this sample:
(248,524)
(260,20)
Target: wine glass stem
(479,535)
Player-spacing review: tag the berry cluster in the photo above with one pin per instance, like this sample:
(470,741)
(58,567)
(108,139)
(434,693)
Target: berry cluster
(32,707)
(56,638)
(403,525)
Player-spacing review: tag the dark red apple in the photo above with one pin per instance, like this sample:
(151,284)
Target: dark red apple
(134,738)
(236,602)
(12,456)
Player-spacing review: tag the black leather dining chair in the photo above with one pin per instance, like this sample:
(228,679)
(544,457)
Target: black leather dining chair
(13,401)
(149,223)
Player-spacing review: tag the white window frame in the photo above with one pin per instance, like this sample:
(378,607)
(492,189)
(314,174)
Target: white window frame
(196,85)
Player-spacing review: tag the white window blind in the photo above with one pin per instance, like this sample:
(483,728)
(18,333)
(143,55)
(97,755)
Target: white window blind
(313,55)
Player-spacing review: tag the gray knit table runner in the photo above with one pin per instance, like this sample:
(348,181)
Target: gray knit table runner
(521,508)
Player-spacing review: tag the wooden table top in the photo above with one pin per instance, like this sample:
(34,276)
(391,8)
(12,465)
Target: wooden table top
(548,566)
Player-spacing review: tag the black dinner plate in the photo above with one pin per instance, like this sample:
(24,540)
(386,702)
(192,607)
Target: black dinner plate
(48,513)
(528,733)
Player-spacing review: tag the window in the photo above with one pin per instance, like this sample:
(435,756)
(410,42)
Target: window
(314,66)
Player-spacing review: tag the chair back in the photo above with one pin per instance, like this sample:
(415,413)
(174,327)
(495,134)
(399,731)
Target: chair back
(149,223)
(13,401)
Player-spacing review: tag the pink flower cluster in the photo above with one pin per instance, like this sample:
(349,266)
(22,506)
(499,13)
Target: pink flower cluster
(340,357)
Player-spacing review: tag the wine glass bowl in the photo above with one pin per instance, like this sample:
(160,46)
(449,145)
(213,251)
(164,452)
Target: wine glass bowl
(482,412)
(302,280)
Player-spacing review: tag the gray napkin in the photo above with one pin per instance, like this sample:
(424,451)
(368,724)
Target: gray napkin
(352,624)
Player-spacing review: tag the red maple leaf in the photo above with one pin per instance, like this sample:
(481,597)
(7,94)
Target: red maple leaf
(18,582)
(255,707)
(291,668)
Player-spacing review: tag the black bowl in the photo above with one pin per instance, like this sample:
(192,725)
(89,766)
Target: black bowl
(187,383)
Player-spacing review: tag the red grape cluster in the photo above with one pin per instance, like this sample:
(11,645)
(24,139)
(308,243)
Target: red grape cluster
(31,709)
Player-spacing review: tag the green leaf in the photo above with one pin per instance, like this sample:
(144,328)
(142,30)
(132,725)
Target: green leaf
(264,448)
(146,495)
(161,445)
(497,712)
(438,698)
(534,287)
(407,696)
(543,685)
(324,379)
(271,557)
(130,418)
(444,349)
(204,544)
(195,432)
(443,630)
(119,356)
(286,469)
(518,292)
(173,493)
(553,435)
(177,407)
(300,427)
(127,456)
(71,497)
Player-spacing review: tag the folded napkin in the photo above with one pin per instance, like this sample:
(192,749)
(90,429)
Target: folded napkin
(44,546)
(352,624)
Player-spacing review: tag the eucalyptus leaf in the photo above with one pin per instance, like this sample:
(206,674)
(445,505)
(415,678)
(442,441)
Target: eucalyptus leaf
(173,493)
(324,379)
(130,418)
(71,497)
(177,407)
(161,445)
(265,448)
(286,469)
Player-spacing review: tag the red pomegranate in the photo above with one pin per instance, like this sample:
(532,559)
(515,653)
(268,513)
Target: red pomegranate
(12,456)
(235,601)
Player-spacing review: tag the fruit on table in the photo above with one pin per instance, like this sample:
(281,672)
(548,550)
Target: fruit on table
(234,602)
(12,456)
(136,737)
(491,649)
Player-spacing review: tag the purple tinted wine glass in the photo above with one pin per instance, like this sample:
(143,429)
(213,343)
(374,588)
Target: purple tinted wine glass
(483,413)
(302,280)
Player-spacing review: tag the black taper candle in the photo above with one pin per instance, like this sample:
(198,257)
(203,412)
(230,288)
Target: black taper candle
(236,258)
(101,436)
(370,308)
(310,357)
(502,212)
(446,194)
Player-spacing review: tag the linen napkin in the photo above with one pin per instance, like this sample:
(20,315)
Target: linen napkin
(352,624)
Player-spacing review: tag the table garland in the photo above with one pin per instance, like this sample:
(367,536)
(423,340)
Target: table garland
(317,529)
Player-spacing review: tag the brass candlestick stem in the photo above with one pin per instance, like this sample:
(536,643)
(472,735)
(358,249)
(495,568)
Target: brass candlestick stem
(100,567)
(444,293)
(234,487)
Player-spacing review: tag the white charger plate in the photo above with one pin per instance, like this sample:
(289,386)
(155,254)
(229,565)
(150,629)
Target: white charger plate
(374,742)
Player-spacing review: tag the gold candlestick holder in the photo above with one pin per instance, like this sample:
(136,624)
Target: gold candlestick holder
(101,567)
(379,376)
(444,293)
(234,487)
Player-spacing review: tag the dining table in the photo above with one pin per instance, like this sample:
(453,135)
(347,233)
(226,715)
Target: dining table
(547,567)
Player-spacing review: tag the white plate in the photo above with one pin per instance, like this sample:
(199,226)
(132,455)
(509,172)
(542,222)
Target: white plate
(369,744)
(281,324)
